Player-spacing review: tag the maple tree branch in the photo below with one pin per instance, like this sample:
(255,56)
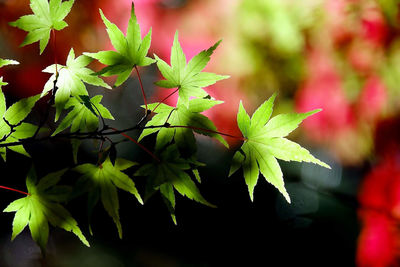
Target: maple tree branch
(101,134)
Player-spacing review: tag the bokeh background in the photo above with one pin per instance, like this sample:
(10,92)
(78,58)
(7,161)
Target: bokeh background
(339,55)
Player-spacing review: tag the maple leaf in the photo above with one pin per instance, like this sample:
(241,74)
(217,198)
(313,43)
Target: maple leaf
(169,173)
(22,131)
(41,207)
(45,17)
(131,49)
(182,116)
(82,118)
(70,80)
(5,62)
(12,129)
(101,181)
(189,77)
(265,143)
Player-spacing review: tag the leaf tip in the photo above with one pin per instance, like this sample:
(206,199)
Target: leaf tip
(312,112)
(288,198)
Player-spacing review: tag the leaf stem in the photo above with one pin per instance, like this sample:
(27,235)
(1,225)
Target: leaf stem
(99,115)
(54,42)
(165,98)
(15,190)
(141,87)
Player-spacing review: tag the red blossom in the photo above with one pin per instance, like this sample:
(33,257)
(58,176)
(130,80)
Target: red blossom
(377,243)
(372,99)
(323,89)
(374,28)
(379,199)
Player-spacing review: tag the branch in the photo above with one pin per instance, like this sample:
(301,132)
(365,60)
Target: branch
(101,134)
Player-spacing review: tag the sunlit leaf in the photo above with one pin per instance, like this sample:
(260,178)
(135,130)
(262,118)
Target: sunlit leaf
(102,181)
(189,77)
(40,208)
(131,50)
(265,143)
(45,18)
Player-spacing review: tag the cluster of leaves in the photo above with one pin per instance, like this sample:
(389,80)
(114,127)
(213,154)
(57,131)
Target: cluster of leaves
(174,166)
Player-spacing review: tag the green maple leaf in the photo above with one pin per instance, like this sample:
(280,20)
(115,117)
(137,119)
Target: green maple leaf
(189,77)
(82,119)
(101,181)
(23,131)
(265,143)
(131,49)
(14,116)
(182,116)
(45,17)
(5,62)
(71,80)
(170,173)
(41,207)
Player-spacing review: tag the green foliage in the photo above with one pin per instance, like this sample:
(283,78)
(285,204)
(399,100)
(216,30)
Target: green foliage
(170,173)
(265,143)
(182,116)
(174,166)
(131,49)
(70,80)
(189,77)
(81,118)
(45,18)
(23,131)
(5,62)
(12,129)
(41,207)
(101,181)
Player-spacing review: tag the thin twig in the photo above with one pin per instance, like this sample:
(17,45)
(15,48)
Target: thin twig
(101,134)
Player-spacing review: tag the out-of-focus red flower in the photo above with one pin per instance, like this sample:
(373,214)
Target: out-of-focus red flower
(372,99)
(323,89)
(378,241)
(374,28)
(379,199)
(381,187)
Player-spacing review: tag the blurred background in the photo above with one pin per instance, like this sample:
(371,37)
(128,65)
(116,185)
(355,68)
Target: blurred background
(339,55)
